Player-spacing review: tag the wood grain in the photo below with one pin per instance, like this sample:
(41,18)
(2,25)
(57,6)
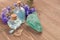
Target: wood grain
(49,15)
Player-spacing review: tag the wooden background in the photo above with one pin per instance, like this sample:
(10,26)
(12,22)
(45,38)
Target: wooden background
(49,15)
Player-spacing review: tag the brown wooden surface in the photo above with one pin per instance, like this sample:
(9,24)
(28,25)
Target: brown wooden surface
(49,15)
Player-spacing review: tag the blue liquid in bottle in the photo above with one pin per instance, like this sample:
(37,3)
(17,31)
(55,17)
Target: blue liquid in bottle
(20,12)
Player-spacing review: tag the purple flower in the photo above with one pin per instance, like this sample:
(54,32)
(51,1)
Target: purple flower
(3,15)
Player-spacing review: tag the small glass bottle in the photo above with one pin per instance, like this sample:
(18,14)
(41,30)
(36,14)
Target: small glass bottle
(20,12)
(14,23)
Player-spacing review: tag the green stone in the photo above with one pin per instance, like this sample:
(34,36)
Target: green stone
(34,22)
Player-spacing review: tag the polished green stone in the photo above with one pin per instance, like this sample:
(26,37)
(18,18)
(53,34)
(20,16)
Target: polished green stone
(34,22)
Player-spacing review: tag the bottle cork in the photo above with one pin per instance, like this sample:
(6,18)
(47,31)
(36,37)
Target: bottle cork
(13,16)
(18,2)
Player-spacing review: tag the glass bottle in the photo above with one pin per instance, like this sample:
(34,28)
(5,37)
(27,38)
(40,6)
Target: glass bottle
(20,12)
(14,23)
